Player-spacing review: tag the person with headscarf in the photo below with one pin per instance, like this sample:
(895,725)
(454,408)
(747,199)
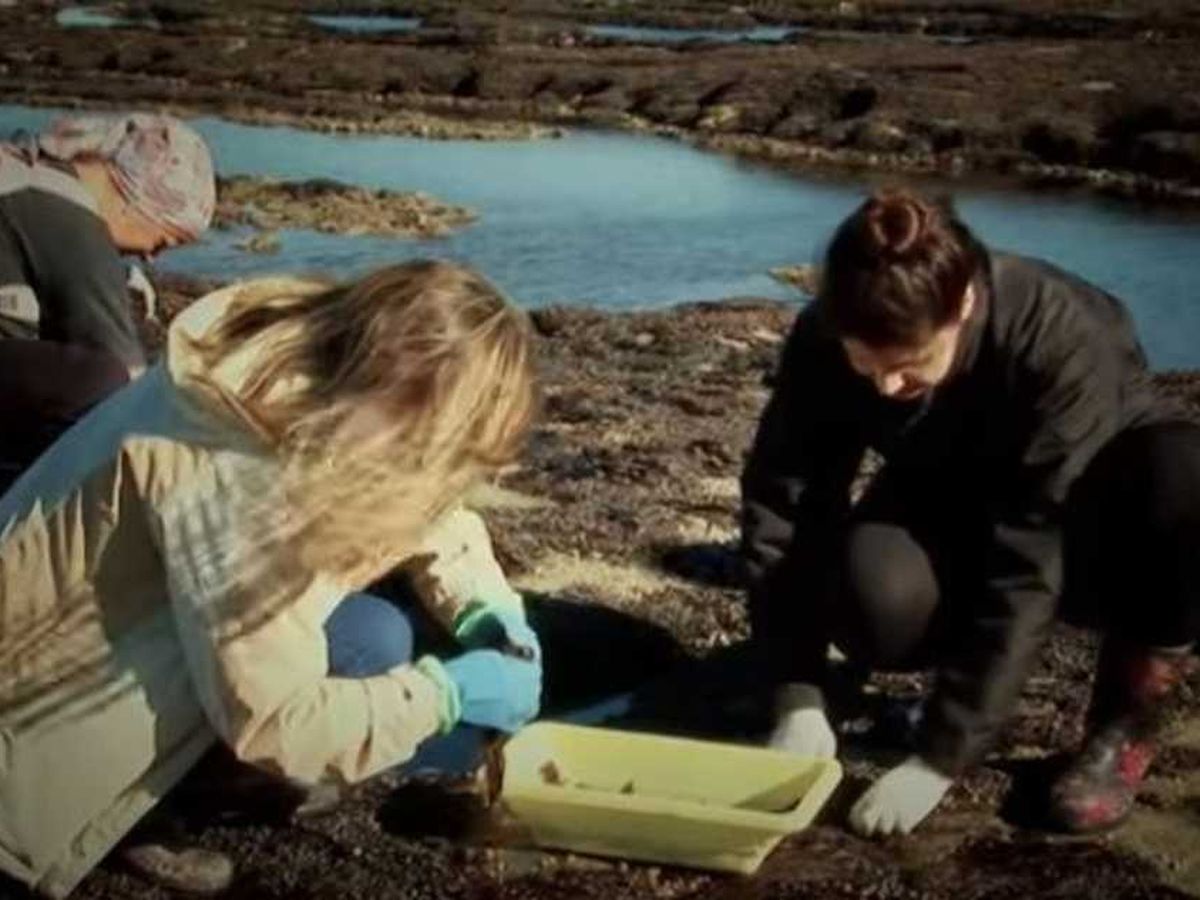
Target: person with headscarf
(72,199)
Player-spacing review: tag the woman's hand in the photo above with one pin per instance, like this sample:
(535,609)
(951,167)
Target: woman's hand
(502,628)
(488,688)
(900,800)
(801,726)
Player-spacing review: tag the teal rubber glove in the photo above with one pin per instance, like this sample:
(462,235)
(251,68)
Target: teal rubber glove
(482,626)
(486,687)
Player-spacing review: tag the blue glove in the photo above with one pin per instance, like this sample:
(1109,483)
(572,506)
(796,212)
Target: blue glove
(501,628)
(486,687)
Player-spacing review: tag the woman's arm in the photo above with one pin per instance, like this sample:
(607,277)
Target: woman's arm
(1066,387)
(251,622)
(795,491)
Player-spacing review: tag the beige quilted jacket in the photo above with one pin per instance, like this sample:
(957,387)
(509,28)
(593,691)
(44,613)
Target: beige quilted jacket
(117,669)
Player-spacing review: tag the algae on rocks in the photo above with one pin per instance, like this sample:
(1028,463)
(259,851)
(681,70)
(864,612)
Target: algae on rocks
(330,206)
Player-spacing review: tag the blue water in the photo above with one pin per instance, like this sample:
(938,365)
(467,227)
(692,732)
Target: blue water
(367,24)
(88,17)
(624,221)
(638,34)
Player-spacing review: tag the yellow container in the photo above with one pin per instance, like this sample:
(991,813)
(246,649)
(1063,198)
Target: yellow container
(661,799)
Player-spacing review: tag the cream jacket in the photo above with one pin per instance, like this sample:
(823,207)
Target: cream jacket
(118,664)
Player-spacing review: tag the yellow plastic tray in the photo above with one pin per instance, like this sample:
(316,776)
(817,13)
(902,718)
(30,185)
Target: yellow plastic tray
(661,799)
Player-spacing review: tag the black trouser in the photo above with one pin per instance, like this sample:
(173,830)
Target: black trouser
(912,559)
(44,388)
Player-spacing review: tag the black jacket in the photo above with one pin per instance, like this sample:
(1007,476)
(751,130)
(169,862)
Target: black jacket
(1048,370)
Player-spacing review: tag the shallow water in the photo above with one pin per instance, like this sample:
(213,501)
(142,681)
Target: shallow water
(89,17)
(367,24)
(626,221)
(639,34)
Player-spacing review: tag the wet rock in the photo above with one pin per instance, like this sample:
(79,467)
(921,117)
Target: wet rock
(797,126)
(857,101)
(879,136)
(945,134)
(1167,154)
(479,74)
(1066,142)
(330,206)
(263,242)
(720,117)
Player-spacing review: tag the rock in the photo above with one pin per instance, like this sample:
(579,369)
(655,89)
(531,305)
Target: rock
(797,126)
(857,101)
(262,242)
(805,277)
(1066,142)
(946,134)
(878,136)
(719,117)
(326,205)
(732,343)
(1167,154)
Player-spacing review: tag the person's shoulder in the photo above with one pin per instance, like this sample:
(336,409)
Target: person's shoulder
(1032,296)
(52,224)
(207,310)
(1018,278)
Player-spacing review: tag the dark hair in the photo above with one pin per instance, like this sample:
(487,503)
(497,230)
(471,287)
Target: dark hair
(897,269)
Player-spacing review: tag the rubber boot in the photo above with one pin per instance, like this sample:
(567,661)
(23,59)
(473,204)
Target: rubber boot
(1098,789)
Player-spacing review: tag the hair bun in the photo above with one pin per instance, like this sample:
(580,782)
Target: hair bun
(897,223)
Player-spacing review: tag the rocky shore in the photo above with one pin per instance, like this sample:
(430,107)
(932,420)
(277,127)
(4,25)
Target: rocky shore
(623,509)
(622,515)
(330,206)
(1034,91)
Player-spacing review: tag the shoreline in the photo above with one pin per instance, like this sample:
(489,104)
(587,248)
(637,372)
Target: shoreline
(625,501)
(1088,100)
(791,157)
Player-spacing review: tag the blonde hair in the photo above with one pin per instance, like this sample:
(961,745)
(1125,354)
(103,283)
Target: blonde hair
(384,398)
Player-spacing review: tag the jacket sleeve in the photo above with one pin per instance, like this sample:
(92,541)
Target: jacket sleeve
(455,567)
(82,284)
(1067,385)
(795,494)
(252,627)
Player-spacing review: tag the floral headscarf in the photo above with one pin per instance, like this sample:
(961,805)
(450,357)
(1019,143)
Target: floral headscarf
(158,163)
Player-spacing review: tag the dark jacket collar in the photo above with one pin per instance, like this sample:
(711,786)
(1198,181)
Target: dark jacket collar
(972,334)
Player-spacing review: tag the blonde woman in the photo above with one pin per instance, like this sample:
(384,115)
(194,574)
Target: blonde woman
(177,569)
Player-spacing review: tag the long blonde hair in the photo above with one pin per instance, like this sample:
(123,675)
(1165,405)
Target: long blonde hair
(384,399)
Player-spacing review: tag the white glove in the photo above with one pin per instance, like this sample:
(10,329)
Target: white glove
(801,726)
(900,799)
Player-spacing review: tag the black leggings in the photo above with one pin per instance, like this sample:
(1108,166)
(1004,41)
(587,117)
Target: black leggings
(1131,556)
(44,388)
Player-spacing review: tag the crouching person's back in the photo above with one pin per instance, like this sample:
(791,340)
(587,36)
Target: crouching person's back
(168,566)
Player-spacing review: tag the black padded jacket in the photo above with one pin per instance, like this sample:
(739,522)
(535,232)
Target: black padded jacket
(1048,370)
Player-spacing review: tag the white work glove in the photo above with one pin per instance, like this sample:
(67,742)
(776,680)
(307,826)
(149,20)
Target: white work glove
(900,799)
(801,726)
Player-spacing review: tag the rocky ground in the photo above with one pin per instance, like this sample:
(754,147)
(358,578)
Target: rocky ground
(621,516)
(622,513)
(326,205)
(1052,91)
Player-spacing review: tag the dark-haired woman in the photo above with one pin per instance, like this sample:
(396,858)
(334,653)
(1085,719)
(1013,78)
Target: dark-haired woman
(1031,473)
